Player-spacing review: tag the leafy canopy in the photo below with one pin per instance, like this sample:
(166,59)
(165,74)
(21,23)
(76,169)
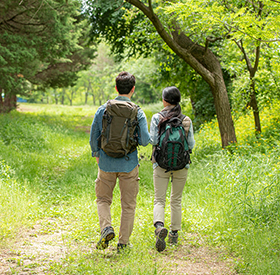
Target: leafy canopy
(259,21)
(37,37)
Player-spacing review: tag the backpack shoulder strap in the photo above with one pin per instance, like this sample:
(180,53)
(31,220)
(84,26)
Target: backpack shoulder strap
(176,121)
(181,116)
(186,124)
(162,127)
(162,114)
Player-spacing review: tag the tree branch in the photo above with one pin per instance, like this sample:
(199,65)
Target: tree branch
(180,51)
(210,39)
(257,59)
(37,10)
(237,29)
(28,24)
(14,16)
(119,7)
(253,4)
(227,6)
(248,63)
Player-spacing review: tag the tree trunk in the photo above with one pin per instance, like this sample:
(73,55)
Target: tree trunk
(9,102)
(254,105)
(1,101)
(223,111)
(203,61)
(208,66)
(62,96)
(86,97)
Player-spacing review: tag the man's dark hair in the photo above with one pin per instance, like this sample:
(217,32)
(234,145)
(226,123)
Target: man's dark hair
(125,82)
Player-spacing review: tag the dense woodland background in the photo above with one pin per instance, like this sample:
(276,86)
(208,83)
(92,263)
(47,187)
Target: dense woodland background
(222,55)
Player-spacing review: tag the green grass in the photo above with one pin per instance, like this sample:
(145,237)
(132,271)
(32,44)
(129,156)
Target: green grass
(231,199)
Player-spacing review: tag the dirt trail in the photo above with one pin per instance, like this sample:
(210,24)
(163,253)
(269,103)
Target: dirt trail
(34,251)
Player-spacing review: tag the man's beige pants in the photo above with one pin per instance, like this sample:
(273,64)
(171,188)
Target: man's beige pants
(129,187)
(178,181)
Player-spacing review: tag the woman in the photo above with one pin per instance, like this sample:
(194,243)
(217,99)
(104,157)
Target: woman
(171,97)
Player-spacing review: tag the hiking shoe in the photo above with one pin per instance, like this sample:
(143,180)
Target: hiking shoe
(161,233)
(107,235)
(173,237)
(124,247)
(121,246)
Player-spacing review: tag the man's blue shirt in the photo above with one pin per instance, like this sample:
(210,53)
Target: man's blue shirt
(107,163)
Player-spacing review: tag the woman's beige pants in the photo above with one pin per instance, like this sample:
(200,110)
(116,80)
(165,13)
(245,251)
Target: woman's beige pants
(161,180)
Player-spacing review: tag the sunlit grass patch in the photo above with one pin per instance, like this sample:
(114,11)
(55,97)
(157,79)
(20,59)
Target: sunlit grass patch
(231,197)
(17,203)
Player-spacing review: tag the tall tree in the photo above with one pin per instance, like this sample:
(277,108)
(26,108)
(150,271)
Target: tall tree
(41,42)
(250,24)
(199,57)
(174,71)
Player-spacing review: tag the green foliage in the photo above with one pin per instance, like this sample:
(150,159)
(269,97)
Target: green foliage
(97,84)
(115,22)
(237,18)
(147,79)
(232,196)
(219,24)
(17,203)
(242,184)
(41,43)
(15,50)
(171,69)
(266,78)
(234,30)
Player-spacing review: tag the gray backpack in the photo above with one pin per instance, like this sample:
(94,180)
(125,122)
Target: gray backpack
(119,135)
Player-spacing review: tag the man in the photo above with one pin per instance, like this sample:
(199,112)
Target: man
(124,168)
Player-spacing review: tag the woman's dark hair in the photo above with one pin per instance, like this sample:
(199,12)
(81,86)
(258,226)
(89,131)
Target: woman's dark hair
(171,95)
(125,82)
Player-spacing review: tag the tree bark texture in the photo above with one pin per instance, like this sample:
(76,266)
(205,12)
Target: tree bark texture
(253,103)
(8,103)
(204,62)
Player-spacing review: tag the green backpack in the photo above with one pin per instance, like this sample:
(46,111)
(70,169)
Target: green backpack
(119,136)
(172,152)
